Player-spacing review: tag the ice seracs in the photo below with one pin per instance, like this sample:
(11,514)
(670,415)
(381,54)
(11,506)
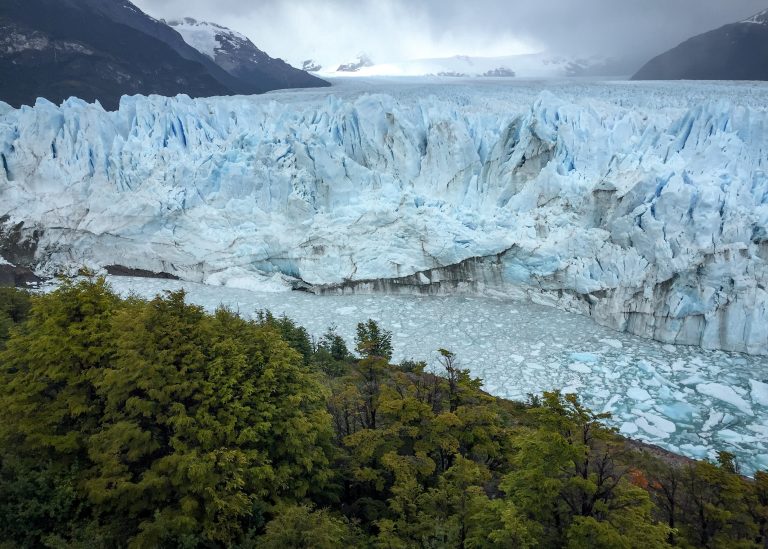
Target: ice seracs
(643,206)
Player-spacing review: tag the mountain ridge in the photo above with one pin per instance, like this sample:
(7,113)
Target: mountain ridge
(737,51)
(236,54)
(100,50)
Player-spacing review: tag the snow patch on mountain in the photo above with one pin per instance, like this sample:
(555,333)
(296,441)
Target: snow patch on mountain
(310,65)
(759,18)
(644,206)
(203,36)
(363,61)
(540,65)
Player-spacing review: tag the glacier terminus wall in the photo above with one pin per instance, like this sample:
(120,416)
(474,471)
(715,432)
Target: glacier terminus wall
(642,205)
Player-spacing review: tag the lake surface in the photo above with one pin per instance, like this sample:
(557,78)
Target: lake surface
(684,399)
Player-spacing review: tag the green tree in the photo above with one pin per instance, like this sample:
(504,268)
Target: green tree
(715,506)
(331,354)
(48,402)
(296,336)
(373,342)
(334,344)
(170,426)
(14,308)
(302,527)
(566,477)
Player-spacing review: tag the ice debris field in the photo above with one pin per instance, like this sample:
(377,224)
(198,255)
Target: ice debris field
(685,399)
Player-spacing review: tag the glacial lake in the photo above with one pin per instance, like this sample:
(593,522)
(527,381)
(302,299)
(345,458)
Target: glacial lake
(685,399)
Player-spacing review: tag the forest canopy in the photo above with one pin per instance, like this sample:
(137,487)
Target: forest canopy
(133,423)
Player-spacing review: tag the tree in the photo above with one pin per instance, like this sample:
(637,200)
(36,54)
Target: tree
(373,342)
(296,336)
(302,527)
(715,511)
(172,427)
(48,402)
(460,383)
(759,507)
(331,354)
(334,344)
(566,477)
(14,308)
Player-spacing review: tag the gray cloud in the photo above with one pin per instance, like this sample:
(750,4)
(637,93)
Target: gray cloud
(390,30)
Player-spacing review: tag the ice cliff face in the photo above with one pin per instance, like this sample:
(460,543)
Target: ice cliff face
(613,200)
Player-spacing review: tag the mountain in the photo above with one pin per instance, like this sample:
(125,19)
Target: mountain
(541,65)
(310,65)
(738,51)
(237,55)
(362,62)
(643,207)
(101,50)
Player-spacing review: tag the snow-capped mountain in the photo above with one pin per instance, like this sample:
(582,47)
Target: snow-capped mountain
(310,65)
(760,18)
(236,54)
(103,49)
(643,206)
(362,61)
(540,65)
(738,51)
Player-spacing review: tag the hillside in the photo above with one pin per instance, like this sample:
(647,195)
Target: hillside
(738,51)
(101,50)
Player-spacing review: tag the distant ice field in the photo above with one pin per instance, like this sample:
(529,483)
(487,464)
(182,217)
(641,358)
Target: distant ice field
(685,399)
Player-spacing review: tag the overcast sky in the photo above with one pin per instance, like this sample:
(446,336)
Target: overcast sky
(333,31)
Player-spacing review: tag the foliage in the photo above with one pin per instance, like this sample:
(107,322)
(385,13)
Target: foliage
(373,342)
(14,308)
(181,427)
(156,424)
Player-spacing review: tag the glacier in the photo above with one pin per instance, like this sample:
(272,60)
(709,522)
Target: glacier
(641,205)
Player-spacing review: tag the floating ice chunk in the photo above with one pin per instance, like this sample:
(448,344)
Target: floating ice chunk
(660,422)
(609,405)
(651,428)
(725,394)
(695,451)
(678,411)
(729,435)
(759,392)
(579,367)
(615,343)
(589,358)
(628,428)
(638,393)
(760,429)
(346,311)
(670,348)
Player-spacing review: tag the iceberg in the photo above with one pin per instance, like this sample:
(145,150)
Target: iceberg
(644,206)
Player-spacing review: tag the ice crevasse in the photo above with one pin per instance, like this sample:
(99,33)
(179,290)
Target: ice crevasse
(650,219)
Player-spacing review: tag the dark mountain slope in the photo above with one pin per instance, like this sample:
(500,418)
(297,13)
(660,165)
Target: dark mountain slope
(101,50)
(240,57)
(738,51)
